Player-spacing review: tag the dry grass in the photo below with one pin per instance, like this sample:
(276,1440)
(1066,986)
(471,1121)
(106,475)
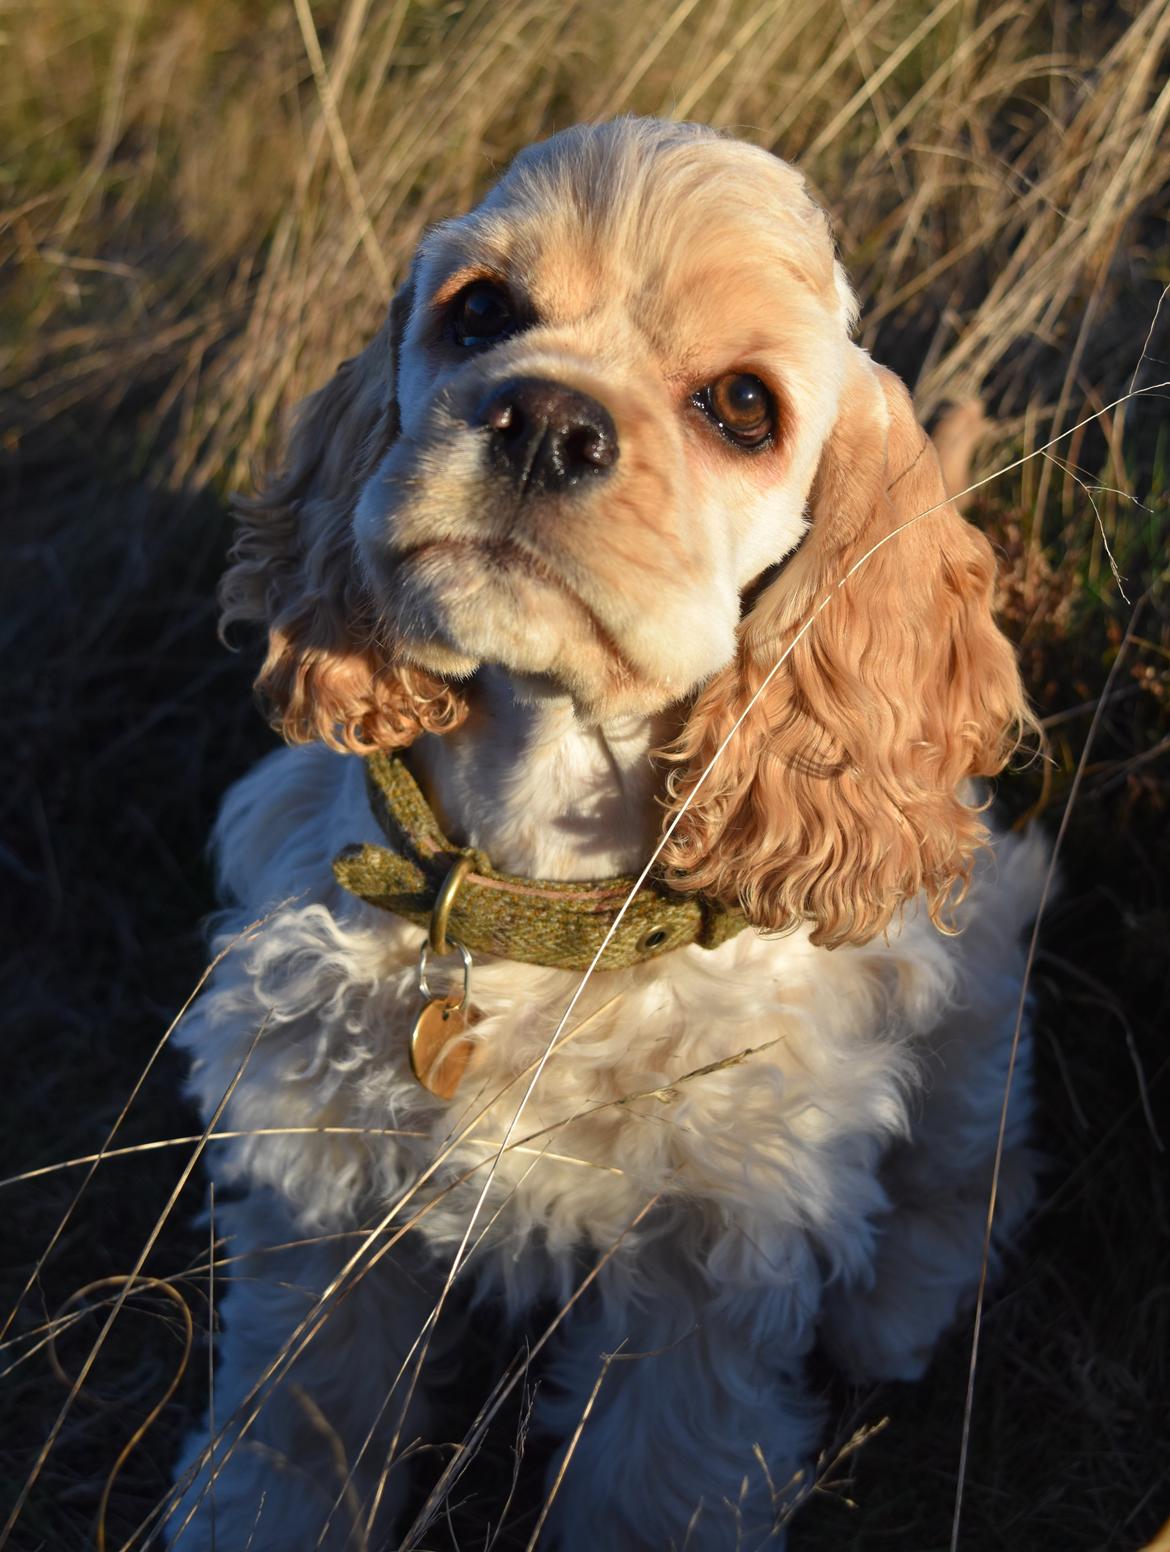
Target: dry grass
(204,206)
(187,187)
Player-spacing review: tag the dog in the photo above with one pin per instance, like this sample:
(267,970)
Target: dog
(610,548)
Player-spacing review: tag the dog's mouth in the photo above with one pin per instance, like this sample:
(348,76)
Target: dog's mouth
(499,555)
(505,559)
(470,596)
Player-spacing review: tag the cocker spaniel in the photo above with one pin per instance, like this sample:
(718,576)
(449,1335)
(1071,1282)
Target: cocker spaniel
(617,538)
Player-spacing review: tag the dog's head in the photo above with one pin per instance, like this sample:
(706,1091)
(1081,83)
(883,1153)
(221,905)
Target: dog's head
(613,436)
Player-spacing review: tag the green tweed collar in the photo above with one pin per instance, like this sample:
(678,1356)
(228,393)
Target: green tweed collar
(536,921)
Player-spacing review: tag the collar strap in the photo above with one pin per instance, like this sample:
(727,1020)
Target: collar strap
(536,921)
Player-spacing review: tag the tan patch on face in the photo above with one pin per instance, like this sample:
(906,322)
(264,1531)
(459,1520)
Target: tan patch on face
(569,279)
(464,276)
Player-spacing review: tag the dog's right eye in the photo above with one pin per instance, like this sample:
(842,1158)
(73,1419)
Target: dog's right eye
(483,315)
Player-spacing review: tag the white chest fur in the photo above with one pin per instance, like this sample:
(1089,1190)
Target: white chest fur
(760,1081)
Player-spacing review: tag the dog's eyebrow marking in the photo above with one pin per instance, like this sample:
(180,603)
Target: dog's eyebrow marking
(464,277)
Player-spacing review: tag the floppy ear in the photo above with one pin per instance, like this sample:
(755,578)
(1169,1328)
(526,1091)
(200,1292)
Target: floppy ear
(327,674)
(842,794)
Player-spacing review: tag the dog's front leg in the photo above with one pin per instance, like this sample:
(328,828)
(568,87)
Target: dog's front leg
(701,1426)
(928,1247)
(310,1395)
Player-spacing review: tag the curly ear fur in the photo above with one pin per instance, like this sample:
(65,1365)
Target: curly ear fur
(841,796)
(291,569)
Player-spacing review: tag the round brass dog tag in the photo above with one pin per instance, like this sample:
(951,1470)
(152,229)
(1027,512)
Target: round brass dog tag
(438,1058)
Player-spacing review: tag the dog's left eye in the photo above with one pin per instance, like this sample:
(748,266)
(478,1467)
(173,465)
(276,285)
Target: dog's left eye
(742,408)
(483,315)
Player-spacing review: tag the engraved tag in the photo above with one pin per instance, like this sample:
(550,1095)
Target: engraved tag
(438,1058)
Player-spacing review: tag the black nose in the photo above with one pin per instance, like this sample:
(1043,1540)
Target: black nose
(545,436)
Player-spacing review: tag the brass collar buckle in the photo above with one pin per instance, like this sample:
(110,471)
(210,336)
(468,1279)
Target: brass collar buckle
(444,900)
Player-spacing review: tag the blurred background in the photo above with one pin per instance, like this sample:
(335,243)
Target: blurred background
(204,206)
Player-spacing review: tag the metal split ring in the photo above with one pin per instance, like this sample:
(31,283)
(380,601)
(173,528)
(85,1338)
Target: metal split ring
(424,986)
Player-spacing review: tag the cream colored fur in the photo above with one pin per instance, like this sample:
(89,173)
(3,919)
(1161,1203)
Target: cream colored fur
(832,1186)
